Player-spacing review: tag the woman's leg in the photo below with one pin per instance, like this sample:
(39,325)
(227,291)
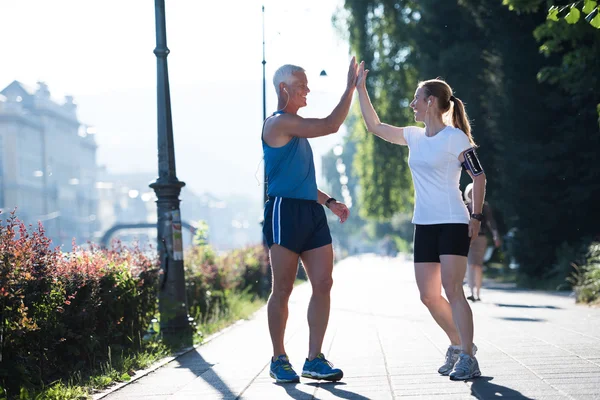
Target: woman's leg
(453,270)
(429,282)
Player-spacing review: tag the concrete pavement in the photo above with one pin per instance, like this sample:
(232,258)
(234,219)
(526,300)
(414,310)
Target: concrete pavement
(532,345)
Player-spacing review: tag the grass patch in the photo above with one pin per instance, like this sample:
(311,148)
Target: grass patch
(120,367)
(241,306)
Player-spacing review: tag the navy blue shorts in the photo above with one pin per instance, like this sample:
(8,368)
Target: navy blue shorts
(432,241)
(296,224)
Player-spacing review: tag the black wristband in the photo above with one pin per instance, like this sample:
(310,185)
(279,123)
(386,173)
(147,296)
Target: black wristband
(329,200)
(478,217)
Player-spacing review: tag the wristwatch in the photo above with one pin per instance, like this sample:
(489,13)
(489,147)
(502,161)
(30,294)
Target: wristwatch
(329,200)
(478,217)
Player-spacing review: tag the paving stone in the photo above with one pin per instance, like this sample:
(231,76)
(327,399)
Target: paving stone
(532,345)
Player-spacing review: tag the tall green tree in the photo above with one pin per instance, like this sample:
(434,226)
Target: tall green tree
(531,88)
(381,34)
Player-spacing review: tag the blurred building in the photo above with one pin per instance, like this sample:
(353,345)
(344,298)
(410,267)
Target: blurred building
(127,199)
(47,163)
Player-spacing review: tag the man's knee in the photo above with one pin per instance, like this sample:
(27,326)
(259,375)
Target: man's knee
(282,291)
(322,286)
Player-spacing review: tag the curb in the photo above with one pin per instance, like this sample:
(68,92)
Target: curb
(161,363)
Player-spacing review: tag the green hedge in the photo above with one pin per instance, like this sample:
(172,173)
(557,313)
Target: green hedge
(586,279)
(65,314)
(212,278)
(60,313)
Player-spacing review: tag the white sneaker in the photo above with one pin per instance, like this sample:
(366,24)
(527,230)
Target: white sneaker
(465,368)
(451,359)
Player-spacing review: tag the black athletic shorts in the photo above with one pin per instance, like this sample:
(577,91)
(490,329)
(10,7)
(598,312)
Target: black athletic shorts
(296,224)
(431,241)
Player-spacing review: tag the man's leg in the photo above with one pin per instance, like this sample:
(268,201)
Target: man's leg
(429,282)
(284,264)
(319,268)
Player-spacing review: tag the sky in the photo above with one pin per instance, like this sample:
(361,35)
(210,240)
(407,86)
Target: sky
(101,52)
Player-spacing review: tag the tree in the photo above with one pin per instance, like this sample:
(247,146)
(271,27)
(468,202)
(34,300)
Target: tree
(381,35)
(534,109)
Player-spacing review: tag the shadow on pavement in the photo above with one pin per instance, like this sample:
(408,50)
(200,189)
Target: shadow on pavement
(203,369)
(522,319)
(483,388)
(333,388)
(527,306)
(294,393)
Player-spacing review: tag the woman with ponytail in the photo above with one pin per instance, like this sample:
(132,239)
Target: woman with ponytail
(443,226)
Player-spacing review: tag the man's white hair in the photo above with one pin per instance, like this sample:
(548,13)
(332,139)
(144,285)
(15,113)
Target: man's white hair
(285,74)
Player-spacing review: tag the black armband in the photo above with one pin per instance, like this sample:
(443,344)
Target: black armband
(472,163)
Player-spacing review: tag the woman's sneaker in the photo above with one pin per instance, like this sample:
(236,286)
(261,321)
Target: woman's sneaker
(451,358)
(282,371)
(465,368)
(320,368)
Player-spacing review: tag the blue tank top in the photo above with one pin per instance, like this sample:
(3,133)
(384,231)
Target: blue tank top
(290,169)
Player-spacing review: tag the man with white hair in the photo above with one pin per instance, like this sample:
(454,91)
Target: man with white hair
(295,223)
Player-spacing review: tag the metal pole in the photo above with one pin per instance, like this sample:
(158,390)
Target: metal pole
(264,62)
(172,295)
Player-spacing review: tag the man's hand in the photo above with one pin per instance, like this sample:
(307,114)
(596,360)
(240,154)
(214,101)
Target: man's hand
(340,210)
(474,226)
(352,72)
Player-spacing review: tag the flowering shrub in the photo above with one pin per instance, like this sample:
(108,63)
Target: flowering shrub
(60,312)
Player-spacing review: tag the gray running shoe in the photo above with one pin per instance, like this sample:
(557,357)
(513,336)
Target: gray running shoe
(451,359)
(465,368)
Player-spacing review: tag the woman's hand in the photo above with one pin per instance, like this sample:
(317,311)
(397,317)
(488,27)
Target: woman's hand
(474,226)
(362,76)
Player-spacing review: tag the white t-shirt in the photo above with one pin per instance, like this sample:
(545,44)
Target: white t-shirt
(435,170)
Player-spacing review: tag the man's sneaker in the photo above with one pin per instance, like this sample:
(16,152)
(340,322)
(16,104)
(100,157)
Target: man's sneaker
(281,370)
(320,368)
(451,359)
(465,368)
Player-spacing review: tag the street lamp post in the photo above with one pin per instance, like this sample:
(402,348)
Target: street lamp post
(264,63)
(172,296)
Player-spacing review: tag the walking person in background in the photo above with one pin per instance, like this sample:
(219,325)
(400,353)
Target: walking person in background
(479,245)
(443,226)
(295,223)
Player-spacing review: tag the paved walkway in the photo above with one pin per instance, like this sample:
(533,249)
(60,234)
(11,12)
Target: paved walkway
(531,346)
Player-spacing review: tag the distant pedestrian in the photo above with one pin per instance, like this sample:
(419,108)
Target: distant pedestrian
(295,222)
(479,246)
(443,226)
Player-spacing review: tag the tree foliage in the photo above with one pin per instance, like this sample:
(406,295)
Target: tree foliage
(532,91)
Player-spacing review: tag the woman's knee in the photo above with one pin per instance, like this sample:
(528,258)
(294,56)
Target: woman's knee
(429,300)
(454,292)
